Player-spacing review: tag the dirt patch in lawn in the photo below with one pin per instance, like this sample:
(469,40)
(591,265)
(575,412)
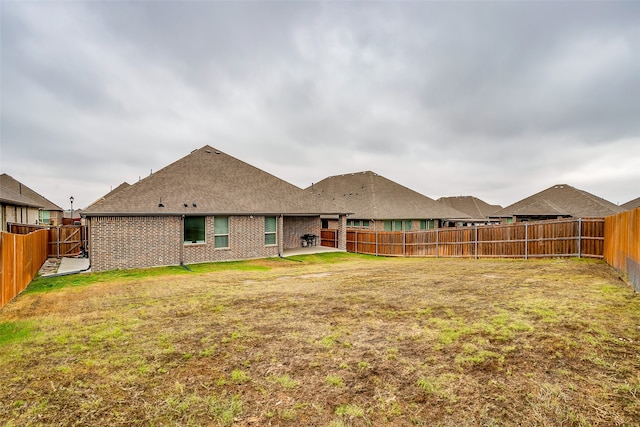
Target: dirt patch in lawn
(360,342)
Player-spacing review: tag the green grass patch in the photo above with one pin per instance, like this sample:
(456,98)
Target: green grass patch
(12,332)
(334,380)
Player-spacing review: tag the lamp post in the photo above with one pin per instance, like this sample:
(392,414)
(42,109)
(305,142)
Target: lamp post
(71,215)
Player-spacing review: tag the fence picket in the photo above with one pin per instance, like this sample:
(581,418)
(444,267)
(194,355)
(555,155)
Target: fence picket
(22,256)
(568,237)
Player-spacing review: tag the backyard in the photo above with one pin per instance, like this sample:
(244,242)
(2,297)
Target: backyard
(326,340)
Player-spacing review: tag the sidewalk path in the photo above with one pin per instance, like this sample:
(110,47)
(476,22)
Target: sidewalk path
(66,266)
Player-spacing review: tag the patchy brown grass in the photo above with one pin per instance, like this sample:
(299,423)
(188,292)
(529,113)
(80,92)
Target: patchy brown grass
(329,341)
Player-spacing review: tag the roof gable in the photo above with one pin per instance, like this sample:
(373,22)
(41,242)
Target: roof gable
(9,185)
(369,195)
(208,181)
(631,204)
(561,200)
(472,206)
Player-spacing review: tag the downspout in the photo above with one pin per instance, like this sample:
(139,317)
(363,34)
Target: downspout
(182,242)
(280,238)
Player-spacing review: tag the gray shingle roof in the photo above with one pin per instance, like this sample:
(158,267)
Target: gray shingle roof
(208,181)
(561,200)
(472,206)
(368,195)
(10,186)
(631,204)
(110,193)
(12,198)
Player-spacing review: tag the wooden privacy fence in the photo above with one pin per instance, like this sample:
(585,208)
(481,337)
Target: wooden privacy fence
(329,238)
(622,245)
(558,238)
(22,255)
(65,240)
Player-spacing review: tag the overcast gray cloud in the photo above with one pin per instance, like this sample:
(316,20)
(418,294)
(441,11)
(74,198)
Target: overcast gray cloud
(494,99)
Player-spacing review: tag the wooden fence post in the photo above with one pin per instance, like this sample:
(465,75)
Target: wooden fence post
(404,242)
(579,237)
(376,242)
(526,240)
(476,243)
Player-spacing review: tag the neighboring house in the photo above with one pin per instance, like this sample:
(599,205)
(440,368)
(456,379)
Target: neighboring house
(20,204)
(205,207)
(477,209)
(632,204)
(377,203)
(559,201)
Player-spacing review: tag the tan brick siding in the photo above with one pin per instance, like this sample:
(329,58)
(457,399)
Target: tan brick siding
(133,242)
(137,242)
(295,227)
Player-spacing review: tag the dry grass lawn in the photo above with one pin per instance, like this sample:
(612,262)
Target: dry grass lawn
(331,340)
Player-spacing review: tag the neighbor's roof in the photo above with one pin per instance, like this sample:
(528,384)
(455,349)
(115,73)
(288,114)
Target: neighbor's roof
(472,206)
(561,200)
(110,193)
(371,196)
(10,197)
(10,186)
(632,204)
(208,181)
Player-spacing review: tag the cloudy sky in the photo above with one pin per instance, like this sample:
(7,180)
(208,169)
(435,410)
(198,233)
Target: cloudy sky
(498,100)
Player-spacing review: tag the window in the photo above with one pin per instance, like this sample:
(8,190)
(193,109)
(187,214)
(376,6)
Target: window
(427,224)
(270,229)
(365,223)
(221,231)
(44,217)
(397,225)
(194,229)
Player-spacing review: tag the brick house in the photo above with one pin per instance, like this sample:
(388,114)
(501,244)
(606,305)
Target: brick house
(631,204)
(205,207)
(20,204)
(377,203)
(556,202)
(477,209)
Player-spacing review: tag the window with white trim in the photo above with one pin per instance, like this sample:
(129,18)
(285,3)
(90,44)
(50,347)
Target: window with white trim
(221,231)
(270,230)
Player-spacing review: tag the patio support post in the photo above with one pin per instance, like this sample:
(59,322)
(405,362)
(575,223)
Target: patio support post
(342,232)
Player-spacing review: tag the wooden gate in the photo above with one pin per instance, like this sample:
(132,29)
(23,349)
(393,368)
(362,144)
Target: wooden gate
(67,240)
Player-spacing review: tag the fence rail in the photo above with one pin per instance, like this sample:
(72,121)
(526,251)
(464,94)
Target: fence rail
(329,238)
(21,258)
(560,238)
(622,246)
(65,240)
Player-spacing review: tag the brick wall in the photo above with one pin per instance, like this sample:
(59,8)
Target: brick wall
(138,242)
(133,242)
(296,226)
